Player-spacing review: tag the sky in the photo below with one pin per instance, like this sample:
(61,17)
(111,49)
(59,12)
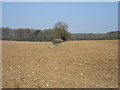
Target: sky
(81,17)
(0,14)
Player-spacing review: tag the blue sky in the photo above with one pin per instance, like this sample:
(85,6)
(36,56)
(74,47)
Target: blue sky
(1,14)
(81,17)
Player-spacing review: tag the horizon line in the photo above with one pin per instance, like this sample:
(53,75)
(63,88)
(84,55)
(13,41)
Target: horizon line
(67,30)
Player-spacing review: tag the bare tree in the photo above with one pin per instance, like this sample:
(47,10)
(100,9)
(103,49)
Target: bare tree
(61,29)
(61,25)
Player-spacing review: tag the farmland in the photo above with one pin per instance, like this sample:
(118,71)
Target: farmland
(74,64)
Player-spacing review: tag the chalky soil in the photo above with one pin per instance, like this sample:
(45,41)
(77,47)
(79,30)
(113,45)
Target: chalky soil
(74,64)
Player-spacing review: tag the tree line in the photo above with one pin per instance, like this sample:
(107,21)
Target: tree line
(96,36)
(25,34)
(58,32)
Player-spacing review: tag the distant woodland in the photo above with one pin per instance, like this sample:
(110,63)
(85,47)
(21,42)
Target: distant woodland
(50,34)
(58,32)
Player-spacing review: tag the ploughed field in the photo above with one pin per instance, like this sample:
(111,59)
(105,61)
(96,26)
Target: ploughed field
(74,64)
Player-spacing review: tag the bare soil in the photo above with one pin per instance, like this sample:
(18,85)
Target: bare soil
(74,64)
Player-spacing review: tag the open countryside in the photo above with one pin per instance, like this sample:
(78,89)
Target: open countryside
(74,64)
(59,45)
